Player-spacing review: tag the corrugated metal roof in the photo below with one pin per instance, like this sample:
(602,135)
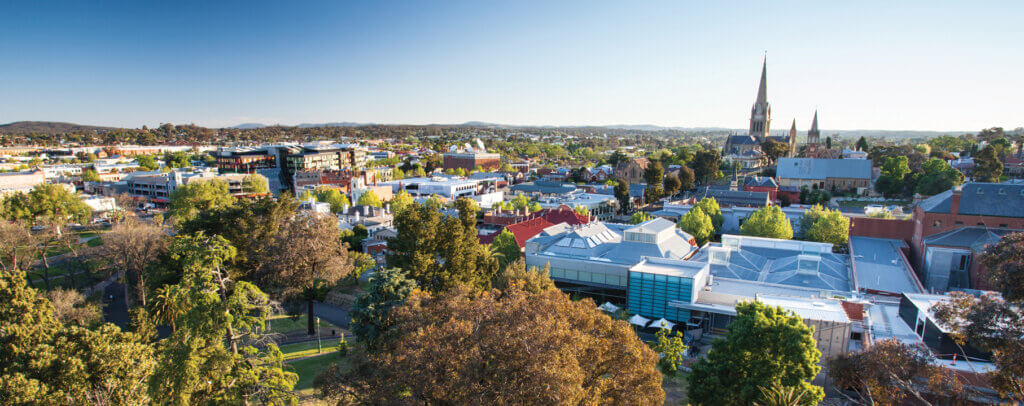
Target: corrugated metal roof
(820,169)
(981,199)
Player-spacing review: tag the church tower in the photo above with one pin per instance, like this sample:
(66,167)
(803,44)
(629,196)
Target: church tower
(792,140)
(760,114)
(814,138)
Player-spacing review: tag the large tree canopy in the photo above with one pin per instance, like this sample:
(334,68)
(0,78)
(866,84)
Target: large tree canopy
(503,347)
(824,225)
(768,222)
(764,346)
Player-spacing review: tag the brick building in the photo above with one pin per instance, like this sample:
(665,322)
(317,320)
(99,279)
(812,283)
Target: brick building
(762,184)
(632,170)
(953,227)
(827,174)
(489,161)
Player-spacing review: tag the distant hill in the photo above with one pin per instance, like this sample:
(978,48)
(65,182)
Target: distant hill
(47,127)
(248,126)
(341,124)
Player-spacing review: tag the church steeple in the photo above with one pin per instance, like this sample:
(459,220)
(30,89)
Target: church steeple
(792,139)
(813,132)
(762,88)
(760,114)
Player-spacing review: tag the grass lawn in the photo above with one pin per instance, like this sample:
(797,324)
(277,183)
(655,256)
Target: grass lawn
(95,242)
(305,349)
(309,368)
(284,323)
(675,388)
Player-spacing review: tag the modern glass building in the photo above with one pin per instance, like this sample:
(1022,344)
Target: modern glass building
(655,284)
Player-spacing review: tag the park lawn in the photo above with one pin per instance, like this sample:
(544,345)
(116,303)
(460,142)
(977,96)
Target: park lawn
(283,324)
(95,242)
(308,368)
(308,348)
(675,388)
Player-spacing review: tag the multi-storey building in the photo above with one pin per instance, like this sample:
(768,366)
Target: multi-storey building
(469,161)
(827,174)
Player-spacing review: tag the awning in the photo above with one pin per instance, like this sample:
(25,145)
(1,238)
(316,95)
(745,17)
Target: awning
(639,320)
(609,307)
(662,323)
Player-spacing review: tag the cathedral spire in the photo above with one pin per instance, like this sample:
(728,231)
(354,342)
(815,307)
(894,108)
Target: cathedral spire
(792,130)
(814,124)
(762,89)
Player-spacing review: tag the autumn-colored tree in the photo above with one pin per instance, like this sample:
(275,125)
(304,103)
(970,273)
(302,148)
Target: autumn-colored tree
(71,307)
(890,372)
(763,346)
(995,322)
(131,246)
(305,260)
(499,347)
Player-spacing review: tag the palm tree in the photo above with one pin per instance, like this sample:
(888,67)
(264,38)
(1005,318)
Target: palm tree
(778,395)
(169,304)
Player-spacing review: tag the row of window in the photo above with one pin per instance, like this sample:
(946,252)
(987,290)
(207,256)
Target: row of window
(938,223)
(586,276)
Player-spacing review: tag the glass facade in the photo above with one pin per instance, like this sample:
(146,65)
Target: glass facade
(649,295)
(588,277)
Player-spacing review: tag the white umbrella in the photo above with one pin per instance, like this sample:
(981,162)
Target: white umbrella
(609,307)
(662,323)
(638,320)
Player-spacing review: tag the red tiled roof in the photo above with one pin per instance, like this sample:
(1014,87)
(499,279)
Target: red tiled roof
(565,214)
(855,311)
(525,230)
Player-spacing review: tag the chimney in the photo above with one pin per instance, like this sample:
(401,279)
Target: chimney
(955,200)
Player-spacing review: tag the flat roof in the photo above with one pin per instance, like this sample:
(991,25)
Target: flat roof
(681,269)
(878,265)
(816,309)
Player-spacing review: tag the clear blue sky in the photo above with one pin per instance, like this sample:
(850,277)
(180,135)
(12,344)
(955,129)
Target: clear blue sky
(931,65)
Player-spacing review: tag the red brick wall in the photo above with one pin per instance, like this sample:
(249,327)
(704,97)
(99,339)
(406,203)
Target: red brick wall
(882,228)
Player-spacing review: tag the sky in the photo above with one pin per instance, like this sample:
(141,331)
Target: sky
(895,65)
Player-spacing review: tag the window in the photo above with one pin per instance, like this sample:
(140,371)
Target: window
(959,223)
(937,223)
(963,262)
(981,224)
(1003,225)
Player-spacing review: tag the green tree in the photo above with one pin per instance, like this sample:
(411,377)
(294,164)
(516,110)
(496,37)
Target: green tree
(616,157)
(47,362)
(505,245)
(686,178)
(535,207)
(255,184)
(147,162)
(768,222)
(639,217)
(53,204)
(90,175)
(436,250)
(208,360)
(337,200)
(654,175)
(698,224)
(862,144)
(190,199)
(672,184)
(179,159)
(824,225)
(623,196)
(369,198)
(987,166)
(936,177)
(710,207)
(891,180)
(706,165)
(774,150)
(671,349)
(763,346)
(388,288)
(401,201)
(582,210)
